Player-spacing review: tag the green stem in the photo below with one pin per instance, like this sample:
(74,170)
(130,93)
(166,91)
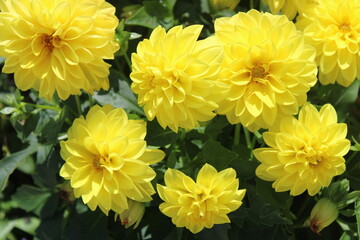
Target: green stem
(351,157)
(303,206)
(53,108)
(91,100)
(78,104)
(252,4)
(237,134)
(247,138)
(117,64)
(128,61)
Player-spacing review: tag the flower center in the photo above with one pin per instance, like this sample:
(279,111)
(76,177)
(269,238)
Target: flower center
(258,71)
(344,28)
(50,42)
(312,156)
(100,161)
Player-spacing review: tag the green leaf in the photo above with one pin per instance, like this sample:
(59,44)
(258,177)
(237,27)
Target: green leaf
(171,160)
(27,166)
(157,136)
(6,227)
(347,95)
(10,163)
(31,198)
(154,8)
(47,172)
(276,199)
(51,228)
(142,18)
(7,110)
(214,128)
(123,98)
(25,125)
(89,225)
(345,236)
(337,191)
(246,165)
(261,212)
(217,155)
(27,224)
(357,214)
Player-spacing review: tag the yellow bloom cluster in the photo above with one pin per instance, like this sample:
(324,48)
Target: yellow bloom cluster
(333,28)
(203,203)
(58,45)
(106,159)
(267,65)
(305,153)
(175,77)
(288,7)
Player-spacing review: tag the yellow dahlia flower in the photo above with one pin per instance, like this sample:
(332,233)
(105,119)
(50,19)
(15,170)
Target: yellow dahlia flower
(333,28)
(305,153)
(106,159)
(288,7)
(175,77)
(203,203)
(218,5)
(58,45)
(268,66)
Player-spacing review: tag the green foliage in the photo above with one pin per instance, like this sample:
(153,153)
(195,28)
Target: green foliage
(33,205)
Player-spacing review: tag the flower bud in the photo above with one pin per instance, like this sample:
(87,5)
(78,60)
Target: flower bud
(219,5)
(133,214)
(66,192)
(323,214)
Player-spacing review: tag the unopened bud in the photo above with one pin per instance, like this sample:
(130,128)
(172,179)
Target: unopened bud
(133,214)
(323,214)
(66,192)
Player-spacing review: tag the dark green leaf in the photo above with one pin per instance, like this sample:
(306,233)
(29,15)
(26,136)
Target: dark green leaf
(47,172)
(124,98)
(50,229)
(213,129)
(277,199)
(218,232)
(142,18)
(89,225)
(31,198)
(10,163)
(171,160)
(357,214)
(262,212)
(245,166)
(157,136)
(217,155)
(156,9)
(50,206)
(337,191)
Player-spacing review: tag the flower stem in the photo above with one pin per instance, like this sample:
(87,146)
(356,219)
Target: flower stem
(53,108)
(351,157)
(91,100)
(247,138)
(128,61)
(78,104)
(237,134)
(252,4)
